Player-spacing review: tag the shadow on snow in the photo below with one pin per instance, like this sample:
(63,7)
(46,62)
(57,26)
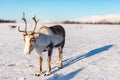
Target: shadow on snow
(73,60)
(65,77)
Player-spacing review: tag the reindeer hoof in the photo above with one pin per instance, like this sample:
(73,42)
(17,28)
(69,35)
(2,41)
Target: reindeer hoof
(37,74)
(60,67)
(47,74)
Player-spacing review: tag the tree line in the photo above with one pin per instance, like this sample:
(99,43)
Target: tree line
(100,22)
(7,21)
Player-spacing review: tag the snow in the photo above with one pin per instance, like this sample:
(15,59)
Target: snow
(91,52)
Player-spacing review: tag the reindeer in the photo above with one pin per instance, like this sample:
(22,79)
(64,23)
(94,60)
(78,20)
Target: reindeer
(12,26)
(45,39)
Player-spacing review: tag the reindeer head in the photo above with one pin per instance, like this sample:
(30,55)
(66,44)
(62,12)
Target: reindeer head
(29,36)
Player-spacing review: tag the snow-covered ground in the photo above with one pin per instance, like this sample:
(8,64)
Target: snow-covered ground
(91,52)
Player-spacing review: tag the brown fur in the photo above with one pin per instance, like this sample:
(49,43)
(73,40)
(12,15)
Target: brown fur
(56,29)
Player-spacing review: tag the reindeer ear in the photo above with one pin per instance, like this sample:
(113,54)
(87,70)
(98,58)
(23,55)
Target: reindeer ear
(36,35)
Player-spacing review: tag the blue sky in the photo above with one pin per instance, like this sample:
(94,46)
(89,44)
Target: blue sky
(57,9)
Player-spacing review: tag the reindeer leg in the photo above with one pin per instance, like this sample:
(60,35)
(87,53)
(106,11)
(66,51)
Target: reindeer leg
(49,66)
(59,62)
(60,55)
(49,63)
(40,66)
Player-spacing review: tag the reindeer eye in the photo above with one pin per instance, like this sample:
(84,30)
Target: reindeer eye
(32,40)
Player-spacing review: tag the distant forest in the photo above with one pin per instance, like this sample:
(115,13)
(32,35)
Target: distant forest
(7,21)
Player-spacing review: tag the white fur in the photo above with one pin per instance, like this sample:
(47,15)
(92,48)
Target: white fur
(27,48)
(43,39)
(56,39)
(41,43)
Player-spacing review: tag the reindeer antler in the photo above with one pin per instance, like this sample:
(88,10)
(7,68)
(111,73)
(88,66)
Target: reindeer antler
(24,21)
(25,24)
(36,21)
